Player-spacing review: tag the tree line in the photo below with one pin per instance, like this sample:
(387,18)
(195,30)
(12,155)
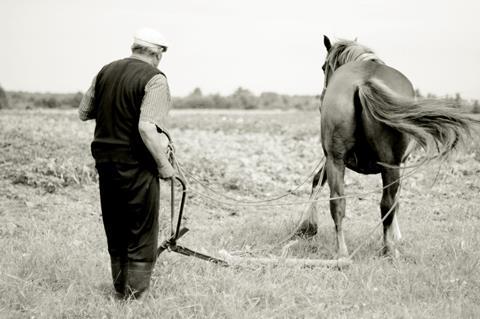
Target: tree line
(245,99)
(240,99)
(28,100)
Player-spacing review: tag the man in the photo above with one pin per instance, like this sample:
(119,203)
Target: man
(130,99)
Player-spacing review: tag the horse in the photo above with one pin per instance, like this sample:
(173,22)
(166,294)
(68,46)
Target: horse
(370,123)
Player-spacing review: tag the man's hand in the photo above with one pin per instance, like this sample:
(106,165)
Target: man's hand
(166,171)
(157,144)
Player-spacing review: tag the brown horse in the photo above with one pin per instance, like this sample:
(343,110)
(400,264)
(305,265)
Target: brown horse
(369,117)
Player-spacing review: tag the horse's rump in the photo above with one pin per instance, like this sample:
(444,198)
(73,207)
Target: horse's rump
(371,137)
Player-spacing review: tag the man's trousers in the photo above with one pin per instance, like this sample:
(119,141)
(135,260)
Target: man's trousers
(129,196)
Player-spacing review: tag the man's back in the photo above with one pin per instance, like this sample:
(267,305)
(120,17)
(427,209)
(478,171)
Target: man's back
(119,91)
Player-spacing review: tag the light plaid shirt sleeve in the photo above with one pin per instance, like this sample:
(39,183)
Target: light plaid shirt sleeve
(85,109)
(156,102)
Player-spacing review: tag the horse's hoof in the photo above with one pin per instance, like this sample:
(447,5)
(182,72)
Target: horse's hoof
(306,229)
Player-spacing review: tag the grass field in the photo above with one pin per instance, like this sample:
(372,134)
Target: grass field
(54,261)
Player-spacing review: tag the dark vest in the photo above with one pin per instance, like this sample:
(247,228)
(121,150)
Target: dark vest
(119,91)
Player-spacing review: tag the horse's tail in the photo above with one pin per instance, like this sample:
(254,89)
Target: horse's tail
(436,125)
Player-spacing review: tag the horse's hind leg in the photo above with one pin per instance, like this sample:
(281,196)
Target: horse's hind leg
(335,169)
(390,176)
(308,225)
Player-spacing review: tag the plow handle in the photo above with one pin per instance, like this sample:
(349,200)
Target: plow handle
(182,204)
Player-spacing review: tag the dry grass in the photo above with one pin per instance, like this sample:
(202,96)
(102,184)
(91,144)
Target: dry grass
(54,262)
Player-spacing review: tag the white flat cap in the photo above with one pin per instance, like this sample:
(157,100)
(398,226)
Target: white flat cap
(150,38)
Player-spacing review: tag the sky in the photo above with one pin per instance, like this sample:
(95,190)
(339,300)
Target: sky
(220,45)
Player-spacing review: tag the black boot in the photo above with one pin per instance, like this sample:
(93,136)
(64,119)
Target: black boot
(119,275)
(138,278)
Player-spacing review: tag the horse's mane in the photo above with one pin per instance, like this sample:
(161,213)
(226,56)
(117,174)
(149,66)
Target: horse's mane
(345,51)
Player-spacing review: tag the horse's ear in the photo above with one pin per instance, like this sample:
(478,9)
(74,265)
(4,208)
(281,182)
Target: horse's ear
(327,43)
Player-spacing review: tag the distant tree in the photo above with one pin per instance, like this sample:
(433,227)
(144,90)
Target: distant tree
(418,93)
(197,92)
(272,100)
(3,99)
(244,99)
(221,102)
(458,100)
(476,107)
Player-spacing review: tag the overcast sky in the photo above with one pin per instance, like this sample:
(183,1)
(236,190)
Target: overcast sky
(219,45)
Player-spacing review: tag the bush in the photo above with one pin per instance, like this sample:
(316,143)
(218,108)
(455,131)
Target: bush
(476,107)
(49,102)
(3,99)
(74,100)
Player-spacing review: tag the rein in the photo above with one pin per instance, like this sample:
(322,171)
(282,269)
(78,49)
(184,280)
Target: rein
(267,202)
(171,245)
